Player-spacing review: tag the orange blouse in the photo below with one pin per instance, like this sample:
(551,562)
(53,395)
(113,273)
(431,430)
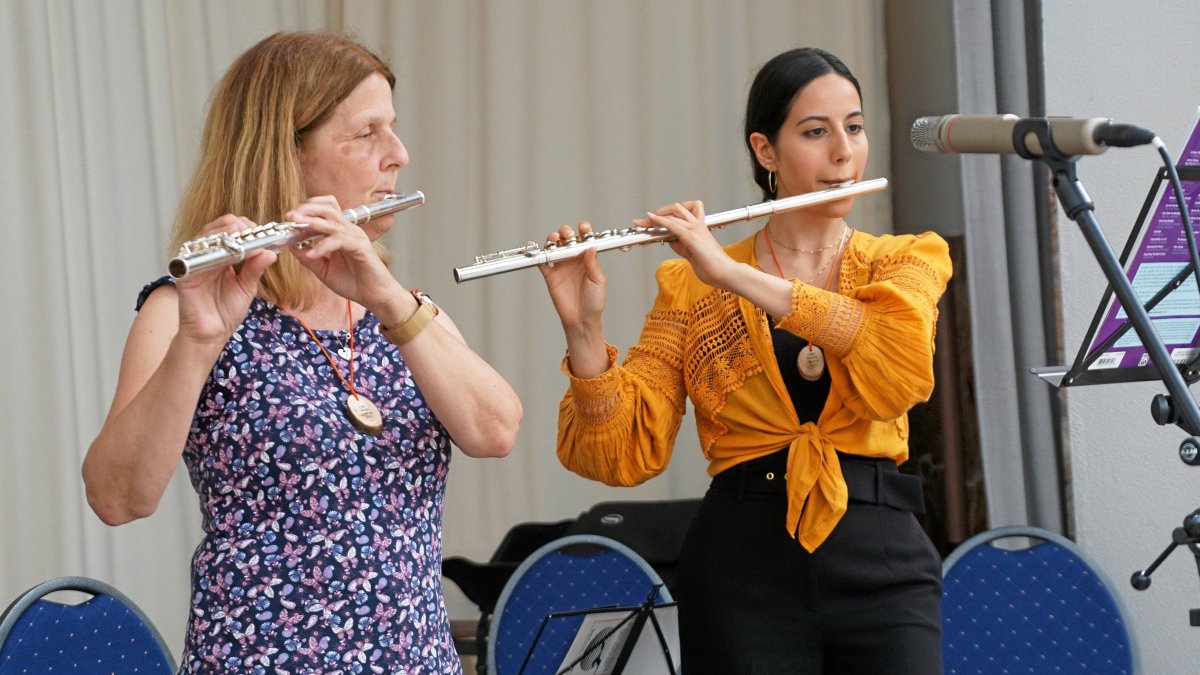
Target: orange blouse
(715,348)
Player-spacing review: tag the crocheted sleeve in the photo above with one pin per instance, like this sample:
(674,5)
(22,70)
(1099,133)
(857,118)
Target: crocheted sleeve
(619,427)
(880,333)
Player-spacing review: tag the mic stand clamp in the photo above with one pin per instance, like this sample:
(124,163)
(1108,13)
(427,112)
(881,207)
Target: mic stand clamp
(1189,451)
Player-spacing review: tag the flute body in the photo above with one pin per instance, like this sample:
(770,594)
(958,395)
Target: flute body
(628,237)
(229,248)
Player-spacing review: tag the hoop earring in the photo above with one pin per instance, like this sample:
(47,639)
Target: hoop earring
(772,186)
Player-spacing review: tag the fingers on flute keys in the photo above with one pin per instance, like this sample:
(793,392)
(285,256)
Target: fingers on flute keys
(228,223)
(566,235)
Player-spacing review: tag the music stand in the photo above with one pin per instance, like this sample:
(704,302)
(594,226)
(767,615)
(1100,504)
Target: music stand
(1178,407)
(609,640)
(1157,264)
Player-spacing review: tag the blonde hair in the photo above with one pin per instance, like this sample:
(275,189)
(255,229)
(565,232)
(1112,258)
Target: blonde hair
(281,88)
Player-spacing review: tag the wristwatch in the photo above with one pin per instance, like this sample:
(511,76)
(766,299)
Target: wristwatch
(411,327)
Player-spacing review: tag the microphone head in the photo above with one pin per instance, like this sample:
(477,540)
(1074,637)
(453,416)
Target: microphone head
(922,134)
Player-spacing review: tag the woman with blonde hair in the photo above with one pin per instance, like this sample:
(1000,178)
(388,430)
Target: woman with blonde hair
(312,397)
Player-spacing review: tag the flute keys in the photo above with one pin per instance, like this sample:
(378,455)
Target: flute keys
(527,251)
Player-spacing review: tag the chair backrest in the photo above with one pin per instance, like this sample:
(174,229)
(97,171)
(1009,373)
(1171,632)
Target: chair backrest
(572,573)
(1041,609)
(106,633)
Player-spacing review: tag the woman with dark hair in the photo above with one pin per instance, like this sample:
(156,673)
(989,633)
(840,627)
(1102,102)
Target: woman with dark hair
(802,349)
(312,397)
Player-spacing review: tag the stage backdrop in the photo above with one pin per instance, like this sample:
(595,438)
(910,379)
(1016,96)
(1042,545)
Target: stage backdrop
(519,117)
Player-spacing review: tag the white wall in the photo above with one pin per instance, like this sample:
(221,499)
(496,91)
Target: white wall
(1137,63)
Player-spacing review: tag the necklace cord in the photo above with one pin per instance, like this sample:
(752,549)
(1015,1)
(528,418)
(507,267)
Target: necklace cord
(350,322)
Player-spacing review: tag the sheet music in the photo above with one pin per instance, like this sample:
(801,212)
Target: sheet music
(601,638)
(1159,255)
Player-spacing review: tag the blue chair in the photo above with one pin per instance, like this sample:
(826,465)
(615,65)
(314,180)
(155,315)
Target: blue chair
(1044,608)
(482,583)
(575,572)
(107,633)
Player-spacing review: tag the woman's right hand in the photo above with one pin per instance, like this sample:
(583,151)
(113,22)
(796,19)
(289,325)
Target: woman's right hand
(578,287)
(213,303)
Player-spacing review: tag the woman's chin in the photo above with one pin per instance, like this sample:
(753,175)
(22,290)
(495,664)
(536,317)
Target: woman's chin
(377,228)
(839,209)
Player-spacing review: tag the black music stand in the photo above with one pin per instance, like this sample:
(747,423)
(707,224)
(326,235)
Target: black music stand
(1158,268)
(611,639)
(1178,407)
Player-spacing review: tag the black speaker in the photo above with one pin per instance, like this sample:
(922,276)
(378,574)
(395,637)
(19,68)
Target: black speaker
(653,529)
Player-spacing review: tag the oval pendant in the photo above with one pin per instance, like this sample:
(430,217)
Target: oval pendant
(811,363)
(364,415)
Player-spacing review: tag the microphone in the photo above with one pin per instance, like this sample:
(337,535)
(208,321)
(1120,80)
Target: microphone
(1000,134)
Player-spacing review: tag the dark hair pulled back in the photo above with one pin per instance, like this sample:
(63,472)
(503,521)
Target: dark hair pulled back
(774,89)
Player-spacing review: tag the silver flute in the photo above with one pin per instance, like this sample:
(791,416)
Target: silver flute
(626,238)
(229,248)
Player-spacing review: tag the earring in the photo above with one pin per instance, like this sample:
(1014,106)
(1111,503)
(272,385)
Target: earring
(772,187)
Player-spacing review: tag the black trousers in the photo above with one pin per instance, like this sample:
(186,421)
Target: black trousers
(752,600)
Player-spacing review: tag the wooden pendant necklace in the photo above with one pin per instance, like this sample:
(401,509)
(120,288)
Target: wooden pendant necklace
(811,359)
(363,413)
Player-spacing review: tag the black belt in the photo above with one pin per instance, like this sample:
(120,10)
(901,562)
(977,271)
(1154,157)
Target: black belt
(869,480)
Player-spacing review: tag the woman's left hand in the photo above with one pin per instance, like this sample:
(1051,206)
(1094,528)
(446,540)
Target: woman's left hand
(693,241)
(341,254)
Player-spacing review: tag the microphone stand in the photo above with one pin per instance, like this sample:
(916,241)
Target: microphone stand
(1182,408)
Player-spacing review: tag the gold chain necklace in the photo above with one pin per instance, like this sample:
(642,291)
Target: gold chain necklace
(824,248)
(839,242)
(811,359)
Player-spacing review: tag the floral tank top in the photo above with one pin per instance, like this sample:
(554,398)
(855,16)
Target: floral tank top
(323,545)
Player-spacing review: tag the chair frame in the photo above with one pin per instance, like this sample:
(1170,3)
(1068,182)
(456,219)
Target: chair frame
(533,558)
(15,610)
(1031,532)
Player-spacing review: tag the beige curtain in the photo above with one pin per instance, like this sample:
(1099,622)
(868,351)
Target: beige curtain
(519,116)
